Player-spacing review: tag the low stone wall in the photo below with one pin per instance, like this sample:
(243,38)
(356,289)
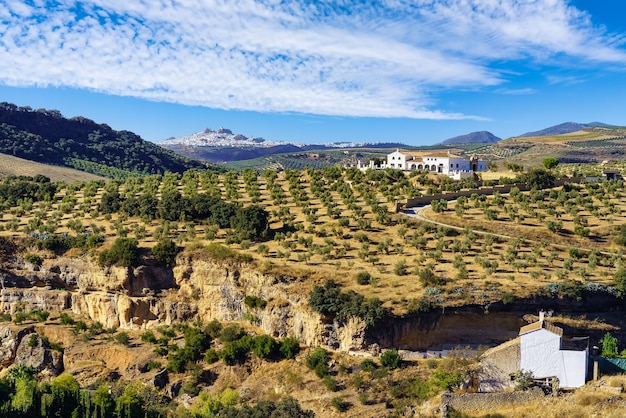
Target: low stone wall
(506,188)
(477,402)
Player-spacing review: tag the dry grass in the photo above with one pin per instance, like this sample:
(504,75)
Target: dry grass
(319,248)
(14,166)
(582,322)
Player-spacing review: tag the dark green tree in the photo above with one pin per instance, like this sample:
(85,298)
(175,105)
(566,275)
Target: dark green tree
(165,252)
(124,253)
(550,162)
(251,222)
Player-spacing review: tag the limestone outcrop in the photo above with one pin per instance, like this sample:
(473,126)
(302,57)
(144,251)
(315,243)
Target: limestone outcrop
(196,288)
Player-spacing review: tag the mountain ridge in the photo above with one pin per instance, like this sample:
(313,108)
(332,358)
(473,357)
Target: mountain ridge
(479,137)
(564,128)
(46,136)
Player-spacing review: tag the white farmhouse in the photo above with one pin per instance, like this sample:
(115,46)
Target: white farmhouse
(436,162)
(542,354)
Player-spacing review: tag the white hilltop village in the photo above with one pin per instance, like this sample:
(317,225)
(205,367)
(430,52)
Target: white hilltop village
(226,138)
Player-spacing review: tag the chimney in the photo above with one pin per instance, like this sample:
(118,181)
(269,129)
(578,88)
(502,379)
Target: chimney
(541,315)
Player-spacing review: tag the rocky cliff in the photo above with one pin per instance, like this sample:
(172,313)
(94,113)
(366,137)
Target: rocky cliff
(197,288)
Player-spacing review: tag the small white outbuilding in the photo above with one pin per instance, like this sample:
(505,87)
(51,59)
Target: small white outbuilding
(541,353)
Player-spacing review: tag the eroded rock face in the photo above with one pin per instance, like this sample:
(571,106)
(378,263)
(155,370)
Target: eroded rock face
(196,288)
(26,347)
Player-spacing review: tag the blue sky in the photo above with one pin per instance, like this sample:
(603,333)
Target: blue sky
(416,71)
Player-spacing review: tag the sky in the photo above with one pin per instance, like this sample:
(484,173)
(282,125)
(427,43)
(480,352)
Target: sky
(416,72)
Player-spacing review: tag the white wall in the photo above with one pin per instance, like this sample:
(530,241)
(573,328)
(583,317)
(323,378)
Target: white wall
(574,369)
(542,355)
(396,160)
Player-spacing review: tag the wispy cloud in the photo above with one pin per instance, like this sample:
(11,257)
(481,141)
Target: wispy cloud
(329,57)
(517,92)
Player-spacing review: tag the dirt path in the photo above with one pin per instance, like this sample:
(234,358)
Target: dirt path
(417,213)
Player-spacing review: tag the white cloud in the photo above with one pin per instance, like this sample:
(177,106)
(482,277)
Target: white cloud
(331,58)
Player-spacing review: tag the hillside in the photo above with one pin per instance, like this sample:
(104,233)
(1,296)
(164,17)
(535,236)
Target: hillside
(565,128)
(14,166)
(46,136)
(482,137)
(190,285)
(590,145)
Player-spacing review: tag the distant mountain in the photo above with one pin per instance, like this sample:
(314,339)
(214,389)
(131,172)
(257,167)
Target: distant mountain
(565,128)
(221,138)
(481,137)
(225,146)
(46,136)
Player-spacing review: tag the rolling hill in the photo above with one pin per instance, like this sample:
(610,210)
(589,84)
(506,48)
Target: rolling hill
(46,136)
(482,137)
(565,128)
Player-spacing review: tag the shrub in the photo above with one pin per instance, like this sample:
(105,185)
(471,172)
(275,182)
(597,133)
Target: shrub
(330,383)
(400,268)
(610,346)
(236,351)
(317,360)
(41,315)
(33,259)
(165,252)
(289,347)
(390,359)
(213,329)
(363,277)
(122,338)
(211,356)
(124,253)
(254,302)
(523,380)
(153,365)
(19,317)
(65,319)
(330,301)
(368,365)
(231,333)
(264,346)
(339,404)
(148,337)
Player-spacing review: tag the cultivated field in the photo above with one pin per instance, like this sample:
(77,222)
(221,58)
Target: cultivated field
(335,223)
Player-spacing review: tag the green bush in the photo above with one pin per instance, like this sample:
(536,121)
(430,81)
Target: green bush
(264,346)
(123,253)
(236,351)
(330,383)
(363,277)
(317,361)
(339,404)
(33,259)
(148,337)
(165,252)
(211,356)
(254,302)
(213,329)
(153,365)
(122,338)
(391,359)
(41,316)
(19,317)
(368,365)
(331,302)
(289,347)
(231,333)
